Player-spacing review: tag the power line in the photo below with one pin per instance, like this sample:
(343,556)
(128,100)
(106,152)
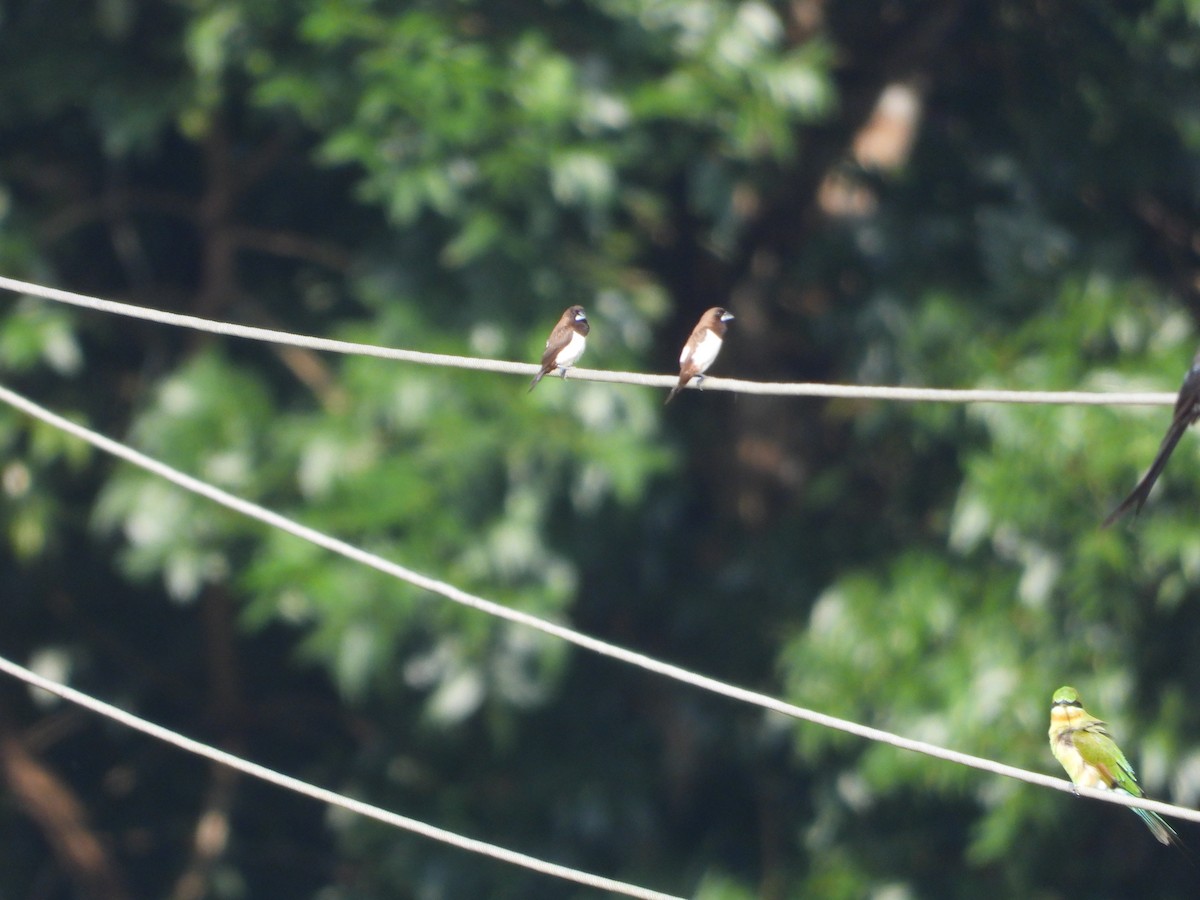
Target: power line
(711,383)
(325,796)
(603,648)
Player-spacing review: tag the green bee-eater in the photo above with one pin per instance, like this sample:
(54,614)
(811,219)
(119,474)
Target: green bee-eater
(1082,744)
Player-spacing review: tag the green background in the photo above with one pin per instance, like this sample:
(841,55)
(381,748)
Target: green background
(943,194)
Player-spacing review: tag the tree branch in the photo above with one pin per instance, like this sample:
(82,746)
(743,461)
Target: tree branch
(62,818)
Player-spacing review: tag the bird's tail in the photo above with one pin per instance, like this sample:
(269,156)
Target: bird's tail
(1138,495)
(536,379)
(685,375)
(1159,827)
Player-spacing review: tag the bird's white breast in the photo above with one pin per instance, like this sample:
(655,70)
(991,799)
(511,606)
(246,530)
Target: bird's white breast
(569,355)
(1081,771)
(704,353)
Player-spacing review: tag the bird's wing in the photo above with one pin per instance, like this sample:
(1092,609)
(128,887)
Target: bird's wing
(1101,751)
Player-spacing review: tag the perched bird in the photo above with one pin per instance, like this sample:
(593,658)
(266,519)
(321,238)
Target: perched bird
(1092,758)
(565,345)
(1187,411)
(701,348)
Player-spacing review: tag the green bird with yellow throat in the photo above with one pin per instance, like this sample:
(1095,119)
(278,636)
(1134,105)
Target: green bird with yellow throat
(1082,744)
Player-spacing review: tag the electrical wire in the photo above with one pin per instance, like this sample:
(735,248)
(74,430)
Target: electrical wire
(711,383)
(331,798)
(603,648)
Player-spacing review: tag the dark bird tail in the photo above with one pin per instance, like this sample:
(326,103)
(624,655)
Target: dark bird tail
(536,379)
(685,375)
(1138,495)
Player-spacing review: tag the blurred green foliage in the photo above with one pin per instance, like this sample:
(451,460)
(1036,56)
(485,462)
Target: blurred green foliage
(448,177)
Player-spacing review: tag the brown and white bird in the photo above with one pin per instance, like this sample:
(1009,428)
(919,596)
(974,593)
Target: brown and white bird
(1187,412)
(565,344)
(701,348)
